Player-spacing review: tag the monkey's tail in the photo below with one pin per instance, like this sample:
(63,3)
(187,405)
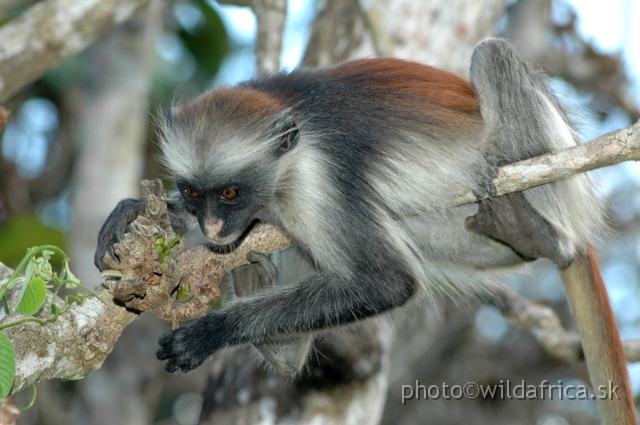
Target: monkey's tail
(600,339)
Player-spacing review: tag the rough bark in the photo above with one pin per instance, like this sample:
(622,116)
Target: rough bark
(72,346)
(81,338)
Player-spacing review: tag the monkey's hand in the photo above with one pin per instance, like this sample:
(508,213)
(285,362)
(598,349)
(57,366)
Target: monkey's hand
(187,348)
(512,220)
(114,228)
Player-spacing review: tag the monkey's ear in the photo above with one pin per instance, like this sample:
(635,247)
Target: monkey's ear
(287,131)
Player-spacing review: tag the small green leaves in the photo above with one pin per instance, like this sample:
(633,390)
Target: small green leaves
(164,250)
(34,296)
(184,292)
(40,266)
(39,277)
(71,281)
(7,365)
(37,274)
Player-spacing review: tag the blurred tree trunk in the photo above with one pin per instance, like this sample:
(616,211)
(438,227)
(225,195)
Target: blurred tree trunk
(112,131)
(576,61)
(112,135)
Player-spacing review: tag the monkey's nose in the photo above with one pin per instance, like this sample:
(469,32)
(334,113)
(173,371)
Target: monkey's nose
(212,227)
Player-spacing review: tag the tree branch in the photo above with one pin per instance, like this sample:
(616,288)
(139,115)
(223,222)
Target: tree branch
(610,149)
(72,346)
(544,324)
(82,337)
(52,31)
(270,16)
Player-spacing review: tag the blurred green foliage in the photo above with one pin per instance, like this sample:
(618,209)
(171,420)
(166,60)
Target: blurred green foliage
(208,42)
(22,231)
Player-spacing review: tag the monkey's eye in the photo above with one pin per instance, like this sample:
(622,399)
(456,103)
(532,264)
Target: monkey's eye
(229,193)
(191,193)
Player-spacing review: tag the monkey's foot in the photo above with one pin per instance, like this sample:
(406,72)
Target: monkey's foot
(486,172)
(511,219)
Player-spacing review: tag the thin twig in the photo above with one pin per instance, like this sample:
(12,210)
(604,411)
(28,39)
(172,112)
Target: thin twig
(610,149)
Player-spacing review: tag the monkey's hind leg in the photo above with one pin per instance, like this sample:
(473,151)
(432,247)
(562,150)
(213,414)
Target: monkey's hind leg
(512,220)
(286,356)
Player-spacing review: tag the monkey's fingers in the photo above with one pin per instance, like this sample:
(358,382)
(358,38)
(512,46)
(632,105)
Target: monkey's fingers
(175,348)
(114,229)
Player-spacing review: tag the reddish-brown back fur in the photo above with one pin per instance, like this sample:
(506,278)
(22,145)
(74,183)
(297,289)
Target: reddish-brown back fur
(415,80)
(419,89)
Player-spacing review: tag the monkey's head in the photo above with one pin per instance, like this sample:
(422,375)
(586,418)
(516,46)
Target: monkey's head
(224,149)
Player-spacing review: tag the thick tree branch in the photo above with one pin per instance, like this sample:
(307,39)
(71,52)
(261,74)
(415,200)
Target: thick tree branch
(52,31)
(72,346)
(82,338)
(271,16)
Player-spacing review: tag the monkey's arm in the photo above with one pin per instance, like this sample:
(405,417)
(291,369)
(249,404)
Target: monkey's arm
(264,273)
(319,303)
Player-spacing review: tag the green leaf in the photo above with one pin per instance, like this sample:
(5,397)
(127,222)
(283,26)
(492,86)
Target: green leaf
(34,297)
(42,266)
(71,281)
(7,365)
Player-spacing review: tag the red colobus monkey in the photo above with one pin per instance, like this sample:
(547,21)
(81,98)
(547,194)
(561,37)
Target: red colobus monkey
(356,163)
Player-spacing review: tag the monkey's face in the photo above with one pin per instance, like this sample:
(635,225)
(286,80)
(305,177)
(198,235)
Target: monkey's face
(226,206)
(224,149)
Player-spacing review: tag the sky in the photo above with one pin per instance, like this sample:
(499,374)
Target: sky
(611,25)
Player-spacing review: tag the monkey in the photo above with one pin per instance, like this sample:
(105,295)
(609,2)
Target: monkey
(356,163)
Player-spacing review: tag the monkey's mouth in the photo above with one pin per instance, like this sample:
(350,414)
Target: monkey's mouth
(226,244)
(227,240)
